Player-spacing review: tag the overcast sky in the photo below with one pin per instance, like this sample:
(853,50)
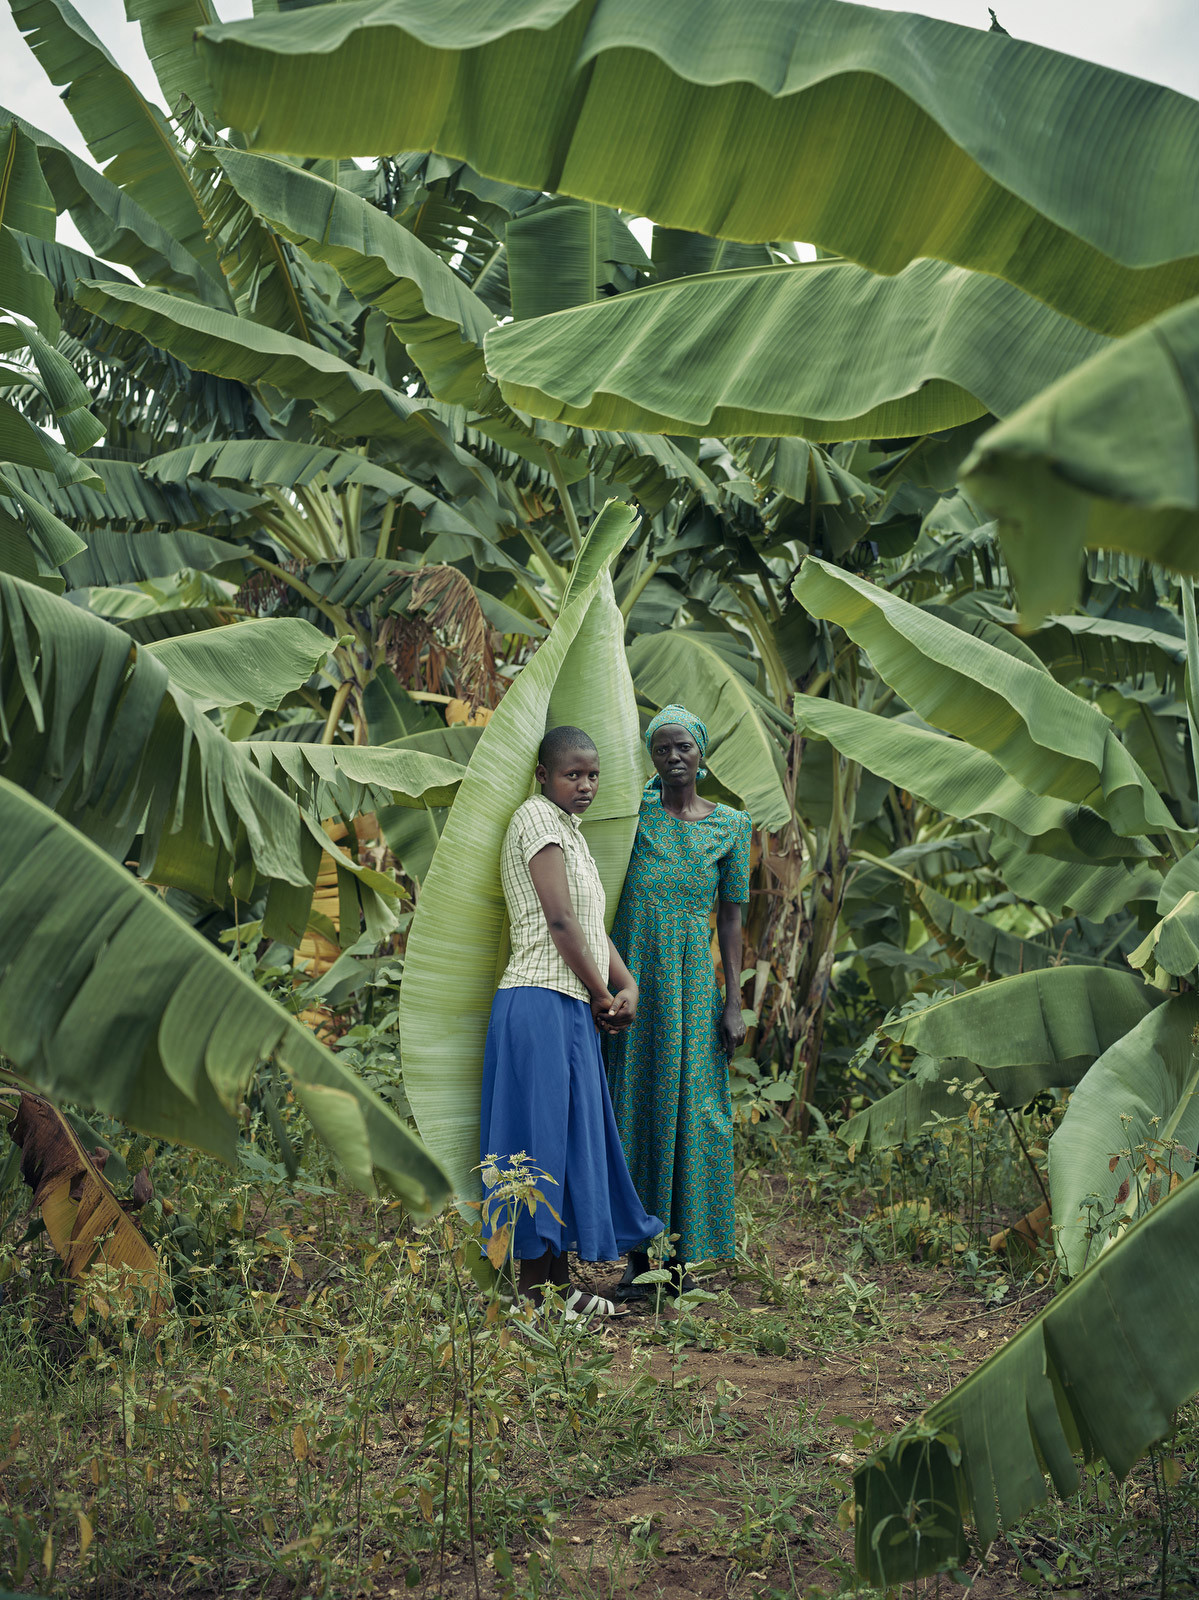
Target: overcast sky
(1156,39)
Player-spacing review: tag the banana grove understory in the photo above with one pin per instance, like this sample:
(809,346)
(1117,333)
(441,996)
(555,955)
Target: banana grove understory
(433,374)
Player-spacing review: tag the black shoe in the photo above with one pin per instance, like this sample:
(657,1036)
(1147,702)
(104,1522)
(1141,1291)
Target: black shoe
(626,1291)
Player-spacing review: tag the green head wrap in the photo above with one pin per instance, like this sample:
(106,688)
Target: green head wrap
(677,716)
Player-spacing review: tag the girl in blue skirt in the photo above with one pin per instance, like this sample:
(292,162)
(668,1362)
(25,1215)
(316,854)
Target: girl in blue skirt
(545,1093)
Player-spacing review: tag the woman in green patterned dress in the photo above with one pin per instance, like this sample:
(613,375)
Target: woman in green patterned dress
(669,1072)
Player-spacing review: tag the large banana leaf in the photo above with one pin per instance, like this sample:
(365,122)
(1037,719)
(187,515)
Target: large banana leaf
(744,752)
(964,782)
(382,264)
(1132,1124)
(26,210)
(145,158)
(871,133)
(454,955)
(1040,1030)
(1102,1369)
(1059,1020)
(1108,457)
(92,728)
(113,557)
(207,340)
(255,663)
(26,291)
(110,1001)
(66,398)
(1047,738)
(821,348)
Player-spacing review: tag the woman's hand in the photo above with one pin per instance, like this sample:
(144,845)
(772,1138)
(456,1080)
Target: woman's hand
(624,1009)
(732,1027)
(601,1003)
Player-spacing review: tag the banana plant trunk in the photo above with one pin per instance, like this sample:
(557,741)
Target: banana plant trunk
(818,939)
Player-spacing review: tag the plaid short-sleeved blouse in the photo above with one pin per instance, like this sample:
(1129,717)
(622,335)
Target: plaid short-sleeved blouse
(535,959)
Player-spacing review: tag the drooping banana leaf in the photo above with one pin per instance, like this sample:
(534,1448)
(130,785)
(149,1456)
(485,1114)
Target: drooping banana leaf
(26,204)
(1093,1372)
(765,350)
(1001,954)
(114,225)
(1129,1134)
(93,728)
(1095,891)
(1040,1030)
(412,836)
(964,782)
(26,290)
(254,663)
(678,254)
(744,750)
(352,401)
(26,211)
(721,119)
(122,497)
(169,34)
(1047,738)
(271,463)
(1110,649)
(135,1014)
(568,253)
(67,399)
(42,532)
(121,127)
(1171,947)
(1106,458)
(382,264)
(1060,1019)
(345,780)
(453,958)
(115,557)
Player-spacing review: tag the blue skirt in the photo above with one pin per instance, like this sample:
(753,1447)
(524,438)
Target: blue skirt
(545,1093)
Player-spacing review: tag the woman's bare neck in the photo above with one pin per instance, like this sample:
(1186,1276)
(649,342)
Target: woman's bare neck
(682,801)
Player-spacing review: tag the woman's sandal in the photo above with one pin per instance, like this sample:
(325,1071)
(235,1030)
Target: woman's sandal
(582,1307)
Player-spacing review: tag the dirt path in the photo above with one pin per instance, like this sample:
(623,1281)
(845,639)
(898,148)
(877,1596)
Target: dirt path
(749,1495)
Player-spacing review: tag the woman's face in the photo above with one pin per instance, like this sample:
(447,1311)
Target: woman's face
(675,754)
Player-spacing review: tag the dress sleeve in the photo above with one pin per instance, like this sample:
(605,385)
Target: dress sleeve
(734,863)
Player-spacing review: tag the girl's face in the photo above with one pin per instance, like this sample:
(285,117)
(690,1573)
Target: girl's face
(573,782)
(675,754)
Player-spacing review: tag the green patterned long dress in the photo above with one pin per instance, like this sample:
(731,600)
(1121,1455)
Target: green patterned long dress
(668,1074)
